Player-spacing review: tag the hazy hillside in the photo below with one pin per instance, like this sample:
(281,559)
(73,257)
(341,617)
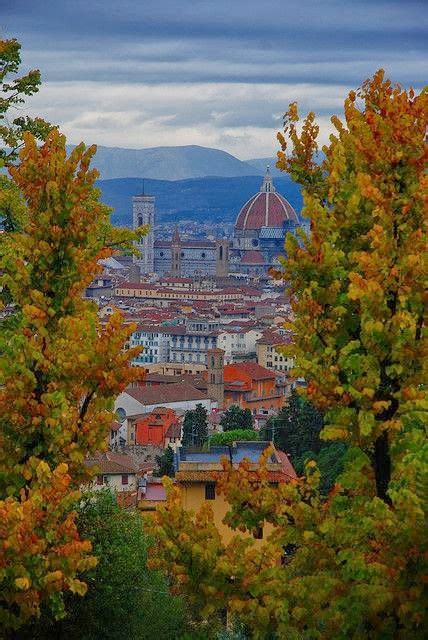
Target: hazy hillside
(213,199)
(169,163)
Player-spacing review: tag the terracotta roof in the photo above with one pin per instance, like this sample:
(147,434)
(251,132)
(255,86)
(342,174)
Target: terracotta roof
(212,476)
(160,411)
(111,462)
(286,464)
(252,257)
(274,339)
(166,393)
(115,425)
(173,431)
(265,209)
(254,370)
(145,467)
(154,491)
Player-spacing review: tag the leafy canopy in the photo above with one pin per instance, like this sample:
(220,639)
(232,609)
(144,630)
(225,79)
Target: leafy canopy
(234,435)
(195,427)
(165,463)
(357,283)
(125,599)
(296,431)
(236,418)
(14,90)
(60,369)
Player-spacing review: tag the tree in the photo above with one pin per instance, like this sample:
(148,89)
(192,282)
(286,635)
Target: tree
(234,435)
(356,284)
(296,430)
(352,565)
(236,418)
(125,599)
(165,463)
(13,94)
(296,427)
(60,369)
(195,428)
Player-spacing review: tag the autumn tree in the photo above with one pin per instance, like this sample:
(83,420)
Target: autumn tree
(60,369)
(351,565)
(14,91)
(357,283)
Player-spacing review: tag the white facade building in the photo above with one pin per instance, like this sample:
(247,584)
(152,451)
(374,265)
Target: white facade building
(155,343)
(116,471)
(181,397)
(238,342)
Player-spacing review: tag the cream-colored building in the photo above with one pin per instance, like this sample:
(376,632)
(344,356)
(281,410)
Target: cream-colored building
(197,473)
(238,342)
(115,471)
(268,350)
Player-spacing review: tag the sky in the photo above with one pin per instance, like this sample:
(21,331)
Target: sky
(216,73)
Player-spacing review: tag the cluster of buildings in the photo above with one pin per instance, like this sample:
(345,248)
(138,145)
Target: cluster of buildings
(209,321)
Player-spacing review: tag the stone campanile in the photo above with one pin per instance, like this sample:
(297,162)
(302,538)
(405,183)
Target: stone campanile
(143,212)
(222,258)
(176,254)
(215,370)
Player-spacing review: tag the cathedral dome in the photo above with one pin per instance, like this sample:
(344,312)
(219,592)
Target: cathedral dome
(265,209)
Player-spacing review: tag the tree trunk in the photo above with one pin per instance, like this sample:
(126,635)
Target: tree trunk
(382,467)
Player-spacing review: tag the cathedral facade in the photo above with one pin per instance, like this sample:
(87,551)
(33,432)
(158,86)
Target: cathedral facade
(258,239)
(186,258)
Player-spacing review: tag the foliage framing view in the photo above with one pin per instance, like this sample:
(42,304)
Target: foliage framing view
(60,368)
(352,566)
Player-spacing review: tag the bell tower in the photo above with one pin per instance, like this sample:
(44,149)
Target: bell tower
(222,258)
(215,369)
(176,254)
(143,213)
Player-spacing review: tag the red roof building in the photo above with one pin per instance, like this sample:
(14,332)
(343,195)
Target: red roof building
(153,427)
(251,386)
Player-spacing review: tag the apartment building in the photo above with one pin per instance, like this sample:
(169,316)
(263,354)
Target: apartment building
(268,350)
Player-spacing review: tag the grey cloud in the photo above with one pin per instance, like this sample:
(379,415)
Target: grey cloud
(152,72)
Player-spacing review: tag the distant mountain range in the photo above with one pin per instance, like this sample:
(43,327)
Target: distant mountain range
(200,199)
(172,163)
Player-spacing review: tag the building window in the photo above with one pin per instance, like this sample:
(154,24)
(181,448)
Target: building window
(258,533)
(100,480)
(210,491)
(125,478)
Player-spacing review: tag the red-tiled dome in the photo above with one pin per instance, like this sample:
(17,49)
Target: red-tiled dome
(265,209)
